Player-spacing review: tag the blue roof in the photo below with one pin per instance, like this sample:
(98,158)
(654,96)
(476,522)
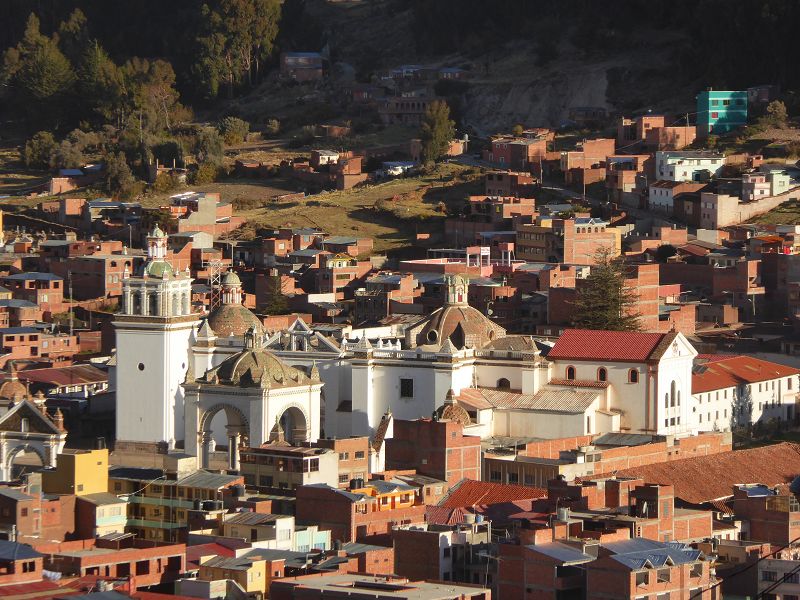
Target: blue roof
(16,551)
(640,552)
(13,330)
(16,303)
(70,172)
(33,277)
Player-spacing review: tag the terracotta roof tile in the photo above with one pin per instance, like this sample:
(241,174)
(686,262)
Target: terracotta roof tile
(590,344)
(737,370)
(469,492)
(707,478)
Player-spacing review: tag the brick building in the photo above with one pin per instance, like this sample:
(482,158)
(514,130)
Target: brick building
(46,290)
(19,564)
(571,241)
(437,449)
(146,563)
(363,510)
(353,457)
(509,183)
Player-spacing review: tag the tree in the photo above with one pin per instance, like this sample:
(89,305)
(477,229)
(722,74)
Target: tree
(517,130)
(39,77)
(276,302)
(73,35)
(100,85)
(437,131)
(67,156)
(778,115)
(120,181)
(604,301)
(233,130)
(665,251)
(38,150)
(208,147)
(238,35)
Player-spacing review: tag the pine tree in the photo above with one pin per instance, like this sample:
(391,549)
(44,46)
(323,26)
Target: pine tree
(276,302)
(437,131)
(604,301)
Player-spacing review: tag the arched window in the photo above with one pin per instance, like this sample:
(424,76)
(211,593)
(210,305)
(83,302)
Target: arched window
(503,383)
(672,393)
(570,373)
(633,376)
(602,374)
(666,400)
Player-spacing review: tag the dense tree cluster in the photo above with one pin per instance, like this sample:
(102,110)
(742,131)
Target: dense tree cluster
(726,42)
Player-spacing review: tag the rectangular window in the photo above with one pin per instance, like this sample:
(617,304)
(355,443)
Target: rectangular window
(359,455)
(769,575)
(406,388)
(715,115)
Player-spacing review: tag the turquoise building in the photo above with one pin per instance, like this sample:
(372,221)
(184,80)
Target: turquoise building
(720,112)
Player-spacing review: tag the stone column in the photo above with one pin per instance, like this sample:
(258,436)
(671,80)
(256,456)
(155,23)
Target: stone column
(234,437)
(127,306)
(187,304)
(145,301)
(51,448)
(5,468)
(205,449)
(160,303)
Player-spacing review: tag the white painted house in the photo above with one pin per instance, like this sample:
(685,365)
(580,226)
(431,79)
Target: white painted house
(689,165)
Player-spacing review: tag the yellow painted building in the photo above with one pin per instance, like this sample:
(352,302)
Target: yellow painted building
(78,472)
(250,573)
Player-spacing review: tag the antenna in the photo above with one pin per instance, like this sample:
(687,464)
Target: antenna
(215,269)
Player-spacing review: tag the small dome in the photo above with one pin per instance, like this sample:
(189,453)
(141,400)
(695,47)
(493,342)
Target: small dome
(451,410)
(462,325)
(158,269)
(257,368)
(12,389)
(157,233)
(231,279)
(233,319)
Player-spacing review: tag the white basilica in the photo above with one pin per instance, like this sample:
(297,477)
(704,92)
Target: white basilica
(174,374)
(178,374)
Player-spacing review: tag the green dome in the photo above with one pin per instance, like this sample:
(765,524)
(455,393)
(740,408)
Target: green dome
(159,269)
(231,279)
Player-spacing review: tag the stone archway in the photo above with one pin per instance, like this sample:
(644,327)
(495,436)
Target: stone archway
(14,452)
(238,429)
(294,424)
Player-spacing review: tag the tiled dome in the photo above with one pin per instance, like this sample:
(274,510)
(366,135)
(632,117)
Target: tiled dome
(233,319)
(255,367)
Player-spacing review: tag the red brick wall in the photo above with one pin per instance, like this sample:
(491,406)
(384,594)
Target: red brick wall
(416,554)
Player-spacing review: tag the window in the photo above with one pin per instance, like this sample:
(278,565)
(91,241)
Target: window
(344,478)
(24,425)
(359,454)
(80,487)
(406,388)
(503,383)
(769,575)
(663,575)
(633,376)
(23,512)
(715,115)
(602,374)
(344,455)
(570,373)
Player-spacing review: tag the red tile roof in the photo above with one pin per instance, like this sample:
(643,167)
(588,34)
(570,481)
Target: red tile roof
(707,478)
(590,344)
(469,492)
(441,515)
(196,552)
(737,370)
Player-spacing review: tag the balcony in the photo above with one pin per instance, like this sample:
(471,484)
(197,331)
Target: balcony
(171,502)
(153,524)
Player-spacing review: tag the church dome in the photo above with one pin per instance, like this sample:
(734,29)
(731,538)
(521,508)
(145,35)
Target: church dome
(256,367)
(451,410)
(233,319)
(231,278)
(12,389)
(158,269)
(462,325)
(158,233)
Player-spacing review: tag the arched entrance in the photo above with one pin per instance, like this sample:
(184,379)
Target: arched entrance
(293,425)
(236,429)
(24,459)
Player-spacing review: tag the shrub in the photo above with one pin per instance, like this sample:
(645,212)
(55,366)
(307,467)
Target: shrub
(38,150)
(273,127)
(233,130)
(166,182)
(205,173)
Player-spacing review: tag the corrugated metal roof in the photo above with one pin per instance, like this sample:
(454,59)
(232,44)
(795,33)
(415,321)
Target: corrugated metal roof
(206,480)
(561,400)
(562,553)
(253,518)
(61,376)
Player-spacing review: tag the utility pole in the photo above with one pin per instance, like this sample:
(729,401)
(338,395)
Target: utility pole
(69,280)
